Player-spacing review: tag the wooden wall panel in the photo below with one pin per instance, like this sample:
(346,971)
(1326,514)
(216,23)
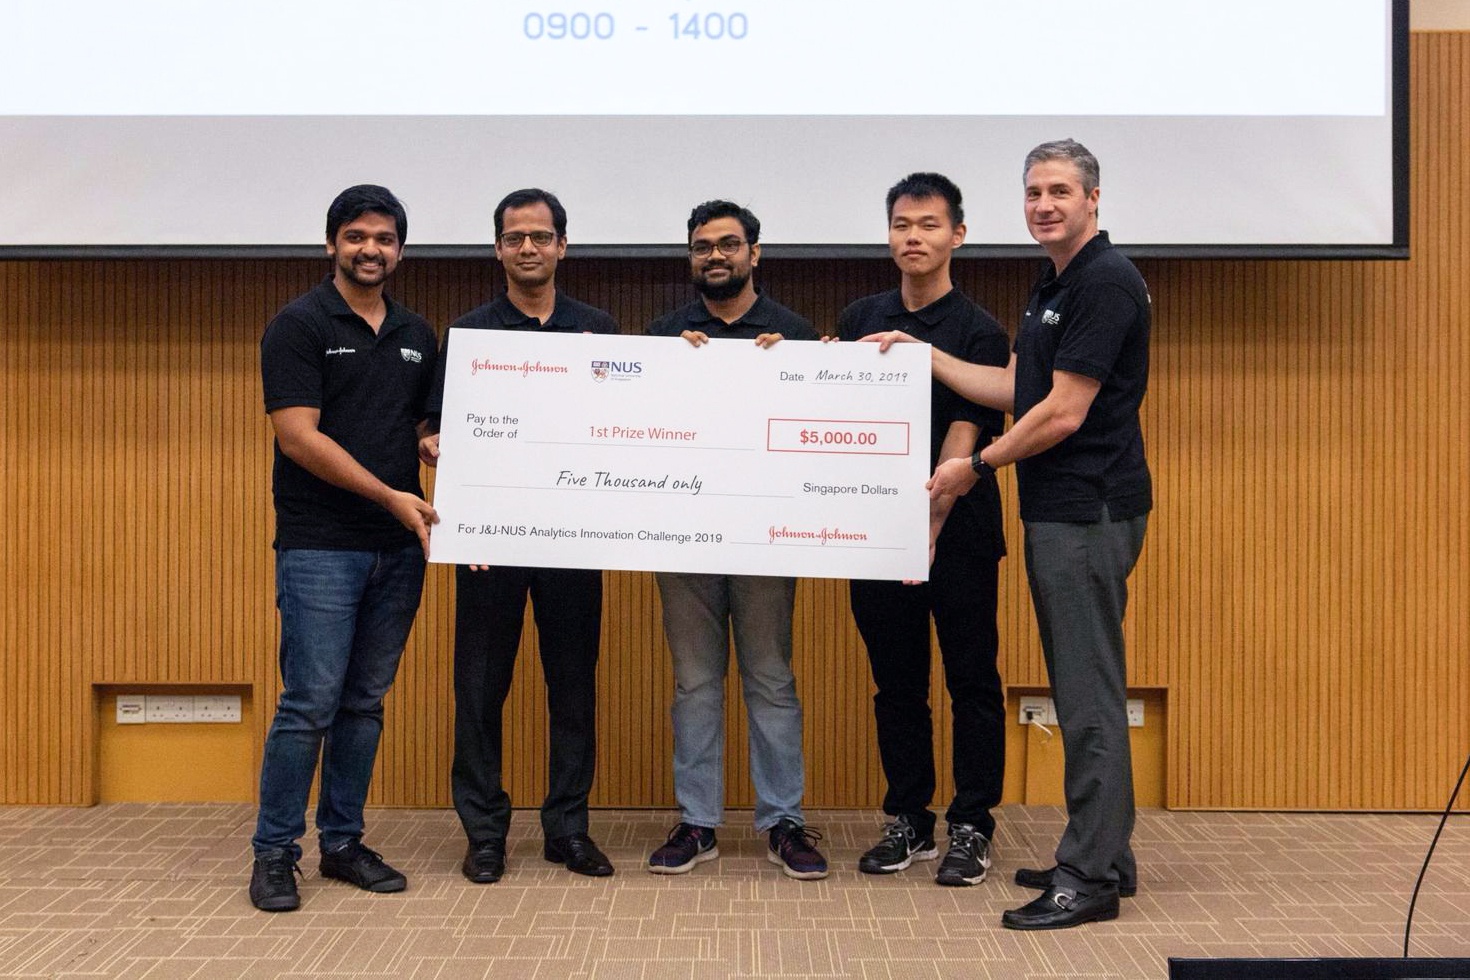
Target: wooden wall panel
(1304,595)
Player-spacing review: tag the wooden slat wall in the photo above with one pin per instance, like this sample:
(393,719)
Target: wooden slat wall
(1304,594)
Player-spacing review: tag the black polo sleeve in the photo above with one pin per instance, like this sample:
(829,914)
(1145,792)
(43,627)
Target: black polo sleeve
(1099,317)
(291,368)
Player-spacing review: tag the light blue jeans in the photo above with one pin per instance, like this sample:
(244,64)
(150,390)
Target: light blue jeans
(699,612)
(345,616)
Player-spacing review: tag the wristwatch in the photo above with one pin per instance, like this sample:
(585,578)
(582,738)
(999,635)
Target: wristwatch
(980,466)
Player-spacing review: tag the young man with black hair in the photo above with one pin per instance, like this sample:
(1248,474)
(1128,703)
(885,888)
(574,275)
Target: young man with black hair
(345,372)
(700,610)
(1074,384)
(925,226)
(490,600)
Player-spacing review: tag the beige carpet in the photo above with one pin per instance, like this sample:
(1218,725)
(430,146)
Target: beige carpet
(158,891)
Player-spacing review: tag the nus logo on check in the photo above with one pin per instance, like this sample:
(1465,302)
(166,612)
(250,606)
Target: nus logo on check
(616,370)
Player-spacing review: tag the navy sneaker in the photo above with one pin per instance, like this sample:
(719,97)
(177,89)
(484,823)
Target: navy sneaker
(794,848)
(687,846)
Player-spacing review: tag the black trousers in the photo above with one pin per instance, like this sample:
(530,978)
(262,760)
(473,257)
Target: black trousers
(490,610)
(893,619)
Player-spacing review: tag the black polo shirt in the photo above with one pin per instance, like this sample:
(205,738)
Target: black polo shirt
(962,329)
(766,316)
(1091,320)
(370,389)
(567,316)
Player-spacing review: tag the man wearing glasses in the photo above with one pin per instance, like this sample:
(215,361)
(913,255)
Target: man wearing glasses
(530,239)
(700,610)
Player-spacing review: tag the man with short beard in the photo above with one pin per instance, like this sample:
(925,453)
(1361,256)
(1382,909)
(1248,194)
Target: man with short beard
(490,601)
(699,610)
(345,371)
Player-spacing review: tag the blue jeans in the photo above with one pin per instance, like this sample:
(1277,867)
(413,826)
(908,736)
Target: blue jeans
(345,616)
(699,611)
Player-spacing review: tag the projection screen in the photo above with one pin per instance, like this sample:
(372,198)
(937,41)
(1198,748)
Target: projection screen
(1265,127)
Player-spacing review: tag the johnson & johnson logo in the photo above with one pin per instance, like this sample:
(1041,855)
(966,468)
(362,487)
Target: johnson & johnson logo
(821,535)
(523,369)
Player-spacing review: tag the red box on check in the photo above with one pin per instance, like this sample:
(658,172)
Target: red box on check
(868,438)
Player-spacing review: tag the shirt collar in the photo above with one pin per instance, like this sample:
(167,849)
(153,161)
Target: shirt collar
(759,314)
(930,315)
(511,315)
(336,306)
(1095,246)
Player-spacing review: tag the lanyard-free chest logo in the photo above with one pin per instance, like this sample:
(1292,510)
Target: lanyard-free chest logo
(410,355)
(1051,318)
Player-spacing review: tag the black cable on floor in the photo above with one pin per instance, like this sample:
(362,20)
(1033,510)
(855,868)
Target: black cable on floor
(1449,807)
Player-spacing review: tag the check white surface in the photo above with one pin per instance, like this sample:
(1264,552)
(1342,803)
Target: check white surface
(647,453)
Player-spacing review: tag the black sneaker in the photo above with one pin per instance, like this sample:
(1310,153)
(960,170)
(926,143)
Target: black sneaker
(794,848)
(273,882)
(967,859)
(363,867)
(900,847)
(687,846)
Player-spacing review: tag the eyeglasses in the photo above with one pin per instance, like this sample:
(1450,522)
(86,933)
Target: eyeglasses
(514,239)
(728,245)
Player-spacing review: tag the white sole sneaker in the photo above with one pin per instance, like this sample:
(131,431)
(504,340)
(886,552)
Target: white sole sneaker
(925,854)
(687,866)
(791,872)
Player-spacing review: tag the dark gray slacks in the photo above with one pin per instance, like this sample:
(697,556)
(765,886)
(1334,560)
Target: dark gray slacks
(1079,585)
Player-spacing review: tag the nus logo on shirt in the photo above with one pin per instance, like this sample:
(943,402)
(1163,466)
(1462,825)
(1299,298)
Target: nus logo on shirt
(410,355)
(1051,318)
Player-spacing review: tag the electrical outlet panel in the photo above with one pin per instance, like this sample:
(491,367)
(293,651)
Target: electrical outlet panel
(169,708)
(136,709)
(1037,709)
(131,709)
(1135,712)
(217,707)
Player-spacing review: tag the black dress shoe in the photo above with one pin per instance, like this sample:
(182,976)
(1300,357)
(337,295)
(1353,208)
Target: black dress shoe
(1062,908)
(579,854)
(1041,878)
(484,863)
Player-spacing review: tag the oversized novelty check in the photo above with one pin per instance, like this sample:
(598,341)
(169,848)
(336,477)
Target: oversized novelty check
(596,451)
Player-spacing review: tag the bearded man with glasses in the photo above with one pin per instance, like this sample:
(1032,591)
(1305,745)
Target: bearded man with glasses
(490,601)
(700,610)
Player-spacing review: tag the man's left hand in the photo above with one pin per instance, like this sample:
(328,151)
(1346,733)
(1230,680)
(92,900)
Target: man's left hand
(953,477)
